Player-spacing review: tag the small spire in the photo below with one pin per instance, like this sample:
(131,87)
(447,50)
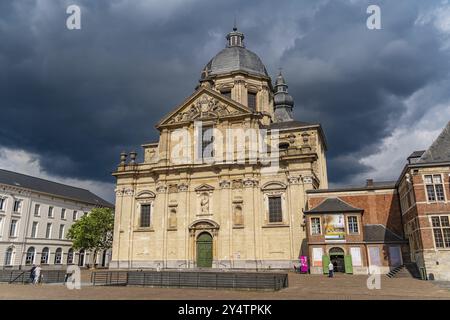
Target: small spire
(235,24)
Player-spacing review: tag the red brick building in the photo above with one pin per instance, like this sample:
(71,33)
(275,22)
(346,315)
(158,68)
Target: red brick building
(387,224)
(424,194)
(355,228)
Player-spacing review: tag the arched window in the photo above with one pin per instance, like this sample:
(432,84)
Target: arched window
(58,256)
(44,255)
(70,256)
(29,259)
(9,257)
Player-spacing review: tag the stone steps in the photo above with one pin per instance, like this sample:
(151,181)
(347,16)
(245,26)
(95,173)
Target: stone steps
(408,270)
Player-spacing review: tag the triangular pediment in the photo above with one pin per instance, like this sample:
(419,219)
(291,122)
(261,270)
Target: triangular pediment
(204,187)
(204,104)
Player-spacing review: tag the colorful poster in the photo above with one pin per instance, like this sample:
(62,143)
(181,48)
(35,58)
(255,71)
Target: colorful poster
(317,257)
(334,226)
(304,264)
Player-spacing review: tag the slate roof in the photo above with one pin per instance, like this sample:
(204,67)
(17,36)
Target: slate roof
(236,59)
(379,233)
(53,188)
(375,185)
(439,151)
(333,205)
(416,154)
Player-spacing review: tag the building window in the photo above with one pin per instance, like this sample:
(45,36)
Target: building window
(2,204)
(435,188)
(17,206)
(353,224)
(37,210)
(207,142)
(63,214)
(48,231)
(44,255)
(9,257)
(34,229)
(227,93)
(441,231)
(275,210)
(70,256)
(58,256)
(13,228)
(29,258)
(61,231)
(50,212)
(1,227)
(145,215)
(315,226)
(252,100)
(74,215)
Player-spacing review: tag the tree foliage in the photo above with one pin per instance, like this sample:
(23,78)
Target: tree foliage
(93,231)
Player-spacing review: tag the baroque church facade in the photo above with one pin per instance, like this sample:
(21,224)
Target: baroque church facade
(225,185)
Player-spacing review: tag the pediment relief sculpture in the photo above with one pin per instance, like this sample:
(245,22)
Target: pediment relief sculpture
(205,107)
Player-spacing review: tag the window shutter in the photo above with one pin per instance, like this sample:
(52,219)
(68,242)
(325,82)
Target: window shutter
(325,263)
(348,264)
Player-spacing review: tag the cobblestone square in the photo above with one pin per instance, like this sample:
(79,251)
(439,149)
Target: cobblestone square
(341,287)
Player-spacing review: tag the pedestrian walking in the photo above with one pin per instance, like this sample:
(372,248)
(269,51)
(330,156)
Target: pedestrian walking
(32,273)
(330,270)
(37,274)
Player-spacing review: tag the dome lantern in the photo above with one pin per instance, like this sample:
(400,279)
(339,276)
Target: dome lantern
(235,38)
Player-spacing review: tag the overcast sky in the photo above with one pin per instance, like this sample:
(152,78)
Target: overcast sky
(72,100)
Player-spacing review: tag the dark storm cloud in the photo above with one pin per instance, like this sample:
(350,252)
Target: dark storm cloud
(78,98)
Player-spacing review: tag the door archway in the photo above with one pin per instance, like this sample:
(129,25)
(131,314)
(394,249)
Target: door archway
(81,258)
(204,250)
(337,259)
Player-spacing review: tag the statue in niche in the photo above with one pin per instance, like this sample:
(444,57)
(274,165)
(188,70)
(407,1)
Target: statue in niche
(173,218)
(204,203)
(238,218)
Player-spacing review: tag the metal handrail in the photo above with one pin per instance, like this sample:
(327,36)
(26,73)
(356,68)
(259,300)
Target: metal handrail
(20,275)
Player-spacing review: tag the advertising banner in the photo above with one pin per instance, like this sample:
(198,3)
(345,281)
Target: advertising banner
(334,225)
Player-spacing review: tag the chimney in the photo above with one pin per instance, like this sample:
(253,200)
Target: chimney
(369,183)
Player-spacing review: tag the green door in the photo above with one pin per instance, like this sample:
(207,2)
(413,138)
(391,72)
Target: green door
(325,263)
(348,264)
(204,251)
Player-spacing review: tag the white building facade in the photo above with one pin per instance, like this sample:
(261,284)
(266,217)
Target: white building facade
(35,217)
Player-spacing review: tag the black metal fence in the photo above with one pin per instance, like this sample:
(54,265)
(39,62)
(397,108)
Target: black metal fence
(20,276)
(190,279)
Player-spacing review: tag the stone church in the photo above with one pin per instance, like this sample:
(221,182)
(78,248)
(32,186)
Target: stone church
(225,185)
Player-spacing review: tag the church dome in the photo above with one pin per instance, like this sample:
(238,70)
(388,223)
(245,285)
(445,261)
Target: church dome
(235,57)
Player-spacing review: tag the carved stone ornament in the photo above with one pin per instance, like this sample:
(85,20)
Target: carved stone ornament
(307,180)
(173,188)
(294,180)
(236,184)
(225,184)
(204,203)
(182,187)
(249,183)
(204,107)
(161,188)
(128,192)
